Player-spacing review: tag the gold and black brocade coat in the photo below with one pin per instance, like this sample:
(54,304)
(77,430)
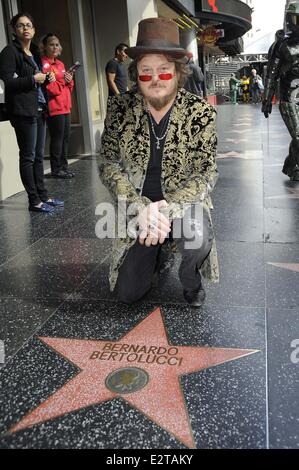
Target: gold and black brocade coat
(189,170)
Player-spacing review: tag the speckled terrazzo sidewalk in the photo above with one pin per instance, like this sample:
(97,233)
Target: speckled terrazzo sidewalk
(82,371)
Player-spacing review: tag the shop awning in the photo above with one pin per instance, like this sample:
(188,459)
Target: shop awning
(233,16)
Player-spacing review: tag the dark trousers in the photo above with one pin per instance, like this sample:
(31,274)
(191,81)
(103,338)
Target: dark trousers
(255,95)
(137,271)
(31,135)
(290,115)
(59,128)
(233,96)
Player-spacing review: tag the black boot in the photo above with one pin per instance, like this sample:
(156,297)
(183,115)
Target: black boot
(291,169)
(294,176)
(195,298)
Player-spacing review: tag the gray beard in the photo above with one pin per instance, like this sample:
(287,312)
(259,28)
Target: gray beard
(160,103)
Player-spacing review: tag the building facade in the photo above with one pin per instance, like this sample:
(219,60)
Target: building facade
(89,30)
(267,18)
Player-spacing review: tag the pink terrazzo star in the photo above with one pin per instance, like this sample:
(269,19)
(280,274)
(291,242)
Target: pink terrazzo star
(235,141)
(145,347)
(288,266)
(247,155)
(294,195)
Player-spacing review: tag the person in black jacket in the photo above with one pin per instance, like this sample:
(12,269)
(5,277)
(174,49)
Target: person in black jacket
(195,81)
(26,104)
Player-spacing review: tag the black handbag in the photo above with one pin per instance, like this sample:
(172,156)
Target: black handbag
(3,113)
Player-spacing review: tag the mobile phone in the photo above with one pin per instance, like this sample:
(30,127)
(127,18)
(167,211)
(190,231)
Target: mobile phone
(74,67)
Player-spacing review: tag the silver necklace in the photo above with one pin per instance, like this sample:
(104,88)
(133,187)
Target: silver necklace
(158,139)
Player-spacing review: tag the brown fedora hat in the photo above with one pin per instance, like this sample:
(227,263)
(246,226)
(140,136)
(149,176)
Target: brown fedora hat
(157,35)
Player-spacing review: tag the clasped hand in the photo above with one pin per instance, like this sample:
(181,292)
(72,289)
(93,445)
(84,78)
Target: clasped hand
(51,77)
(40,78)
(154,227)
(68,77)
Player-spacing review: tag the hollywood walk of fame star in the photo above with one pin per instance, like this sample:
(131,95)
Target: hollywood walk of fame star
(236,141)
(278,146)
(294,195)
(289,266)
(160,397)
(222,156)
(270,165)
(235,131)
(280,136)
(248,155)
(278,129)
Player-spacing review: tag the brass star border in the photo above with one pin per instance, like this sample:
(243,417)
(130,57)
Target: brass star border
(145,347)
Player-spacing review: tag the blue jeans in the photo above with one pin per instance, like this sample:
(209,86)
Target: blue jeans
(31,136)
(255,95)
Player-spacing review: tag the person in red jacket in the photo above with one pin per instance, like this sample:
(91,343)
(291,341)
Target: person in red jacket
(59,105)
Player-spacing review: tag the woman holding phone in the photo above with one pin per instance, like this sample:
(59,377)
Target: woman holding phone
(20,69)
(59,106)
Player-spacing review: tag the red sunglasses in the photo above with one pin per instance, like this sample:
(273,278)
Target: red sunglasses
(162,76)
